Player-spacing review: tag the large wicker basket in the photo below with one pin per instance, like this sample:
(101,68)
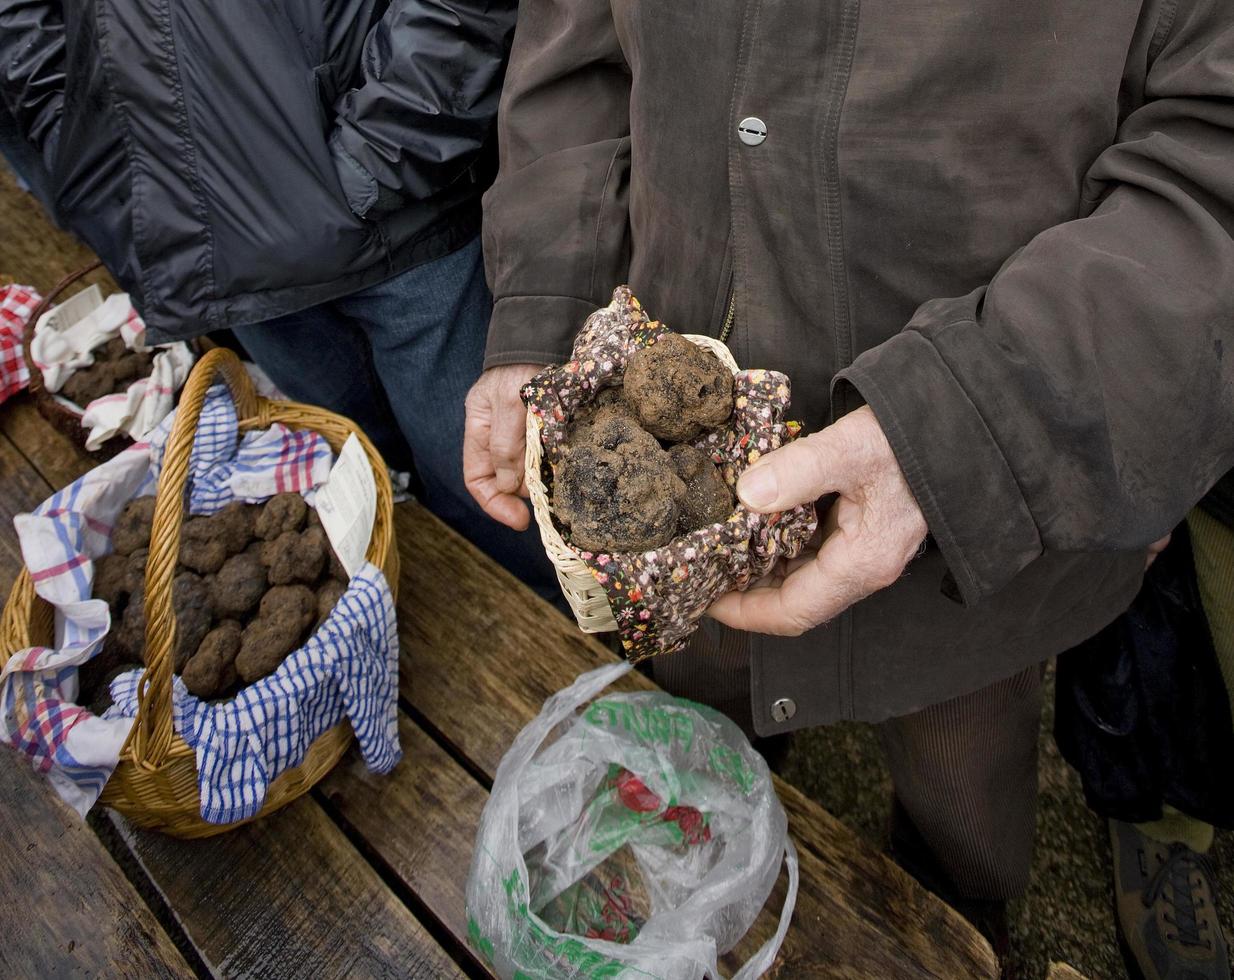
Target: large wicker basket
(155,783)
(586,596)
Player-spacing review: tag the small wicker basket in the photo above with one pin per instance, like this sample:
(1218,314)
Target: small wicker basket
(155,783)
(56,412)
(585,595)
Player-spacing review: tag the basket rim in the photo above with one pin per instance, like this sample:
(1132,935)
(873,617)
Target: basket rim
(586,596)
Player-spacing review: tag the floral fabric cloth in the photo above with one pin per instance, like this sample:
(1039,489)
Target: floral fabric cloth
(658,596)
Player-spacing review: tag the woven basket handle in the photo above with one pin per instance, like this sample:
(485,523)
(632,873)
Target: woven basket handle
(152,732)
(36,376)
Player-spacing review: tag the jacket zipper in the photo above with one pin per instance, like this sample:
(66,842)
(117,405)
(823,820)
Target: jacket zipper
(729,316)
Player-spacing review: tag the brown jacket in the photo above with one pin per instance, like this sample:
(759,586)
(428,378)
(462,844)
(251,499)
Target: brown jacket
(1006,226)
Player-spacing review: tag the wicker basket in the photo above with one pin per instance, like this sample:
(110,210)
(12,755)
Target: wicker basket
(585,595)
(52,408)
(155,783)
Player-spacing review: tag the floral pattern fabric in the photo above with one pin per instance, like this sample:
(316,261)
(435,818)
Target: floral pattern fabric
(658,596)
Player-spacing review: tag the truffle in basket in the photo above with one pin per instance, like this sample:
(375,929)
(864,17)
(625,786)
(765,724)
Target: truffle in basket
(253,582)
(615,487)
(115,367)
(623,563)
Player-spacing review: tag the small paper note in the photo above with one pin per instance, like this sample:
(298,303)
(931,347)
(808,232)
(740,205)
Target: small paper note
(347,505)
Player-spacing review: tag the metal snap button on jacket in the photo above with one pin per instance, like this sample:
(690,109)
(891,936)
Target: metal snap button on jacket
(783,709)
(752,130)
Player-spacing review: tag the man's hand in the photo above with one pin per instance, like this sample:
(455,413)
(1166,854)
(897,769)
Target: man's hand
(494,437)
(871,532)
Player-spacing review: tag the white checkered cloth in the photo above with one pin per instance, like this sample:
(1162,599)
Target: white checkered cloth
(348,668)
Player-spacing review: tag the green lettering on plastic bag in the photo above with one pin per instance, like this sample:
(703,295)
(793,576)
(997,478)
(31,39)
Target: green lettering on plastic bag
(729,762)
(479,942)
(650,724)
(586,963)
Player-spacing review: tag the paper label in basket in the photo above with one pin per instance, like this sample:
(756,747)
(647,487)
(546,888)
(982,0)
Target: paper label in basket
(72,311)
(347,505)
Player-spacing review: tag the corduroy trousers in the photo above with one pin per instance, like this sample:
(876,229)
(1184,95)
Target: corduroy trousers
(965,770)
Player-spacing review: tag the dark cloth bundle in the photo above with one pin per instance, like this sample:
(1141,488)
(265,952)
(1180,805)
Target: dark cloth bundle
(1142,711)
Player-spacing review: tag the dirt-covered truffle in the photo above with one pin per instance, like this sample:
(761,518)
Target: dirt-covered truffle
(132,530)
(328,596)
(114,368)
(128,636)
(281,513)
(198,551)
(335,568)
(707,499)
(86,384)
(611,427)
(137,569)
(296,557)
(211,671)
(95,679)
(111,580)
(129,367)
(206,542)
(285,613)
(190,600)
(678,389)
(622,499)
(238,586)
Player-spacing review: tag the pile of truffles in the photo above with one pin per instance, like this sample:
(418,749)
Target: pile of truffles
(252,583)
(115,367)
(627,480)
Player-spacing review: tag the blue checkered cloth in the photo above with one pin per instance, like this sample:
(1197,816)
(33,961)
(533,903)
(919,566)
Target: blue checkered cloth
(348,668)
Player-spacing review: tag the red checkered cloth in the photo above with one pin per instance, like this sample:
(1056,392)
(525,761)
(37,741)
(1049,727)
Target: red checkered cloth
(17,303)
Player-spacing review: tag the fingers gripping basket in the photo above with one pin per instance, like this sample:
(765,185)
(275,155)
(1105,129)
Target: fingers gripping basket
(155,784)
(582,590)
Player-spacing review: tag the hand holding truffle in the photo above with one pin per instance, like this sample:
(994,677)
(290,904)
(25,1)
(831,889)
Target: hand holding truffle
(872,531)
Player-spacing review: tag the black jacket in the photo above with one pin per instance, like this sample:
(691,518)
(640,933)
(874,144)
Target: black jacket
(232,161)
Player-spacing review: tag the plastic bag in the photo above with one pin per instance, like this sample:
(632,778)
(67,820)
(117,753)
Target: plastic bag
(642,841)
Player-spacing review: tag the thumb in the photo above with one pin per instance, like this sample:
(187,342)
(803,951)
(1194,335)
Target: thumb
(798,473)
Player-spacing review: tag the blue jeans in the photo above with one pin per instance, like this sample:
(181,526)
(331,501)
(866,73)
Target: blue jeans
(398,359)
(26,162)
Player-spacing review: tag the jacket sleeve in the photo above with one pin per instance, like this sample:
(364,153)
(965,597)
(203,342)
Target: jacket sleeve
(1081,401)
(432,73)
(556,222)
(32,68)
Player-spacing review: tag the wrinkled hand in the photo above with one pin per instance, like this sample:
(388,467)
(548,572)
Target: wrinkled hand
(870,533)
(494,437)
(1155,549)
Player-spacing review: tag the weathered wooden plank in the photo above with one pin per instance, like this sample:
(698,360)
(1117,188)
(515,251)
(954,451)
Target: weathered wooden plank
(21,489)
(1061,971)
(68,909)
(288,897)
(480,655)
(420,820)
(56,457)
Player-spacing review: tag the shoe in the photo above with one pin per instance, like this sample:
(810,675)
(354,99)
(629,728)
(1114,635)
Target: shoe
(1163,905)
(988,916)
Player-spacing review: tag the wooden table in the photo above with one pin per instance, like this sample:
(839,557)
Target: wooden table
(364,876)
